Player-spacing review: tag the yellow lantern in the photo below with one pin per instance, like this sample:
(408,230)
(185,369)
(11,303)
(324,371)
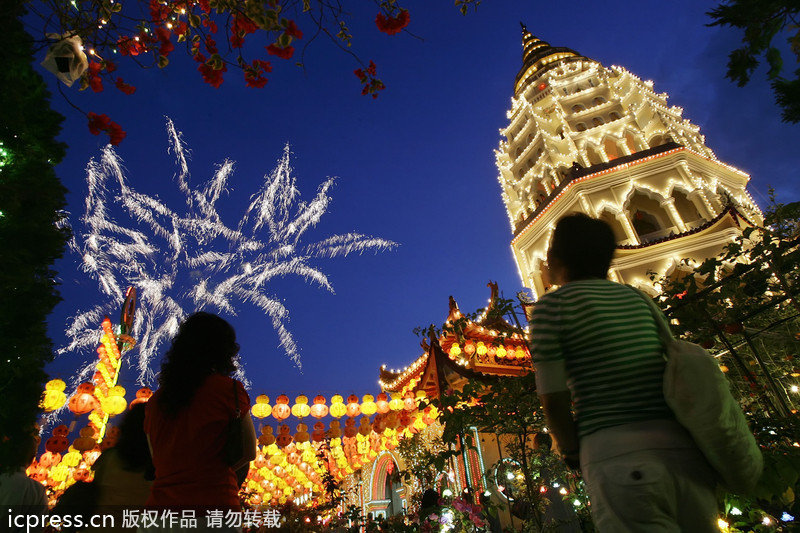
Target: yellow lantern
(455,350)
(368,405)
(301,409)
(397,402)
(481,348)
(501,352)
(520,353)
(54,397)
(261,409)
(338,409)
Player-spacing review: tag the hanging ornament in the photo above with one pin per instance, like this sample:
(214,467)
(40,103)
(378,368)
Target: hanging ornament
(65,58)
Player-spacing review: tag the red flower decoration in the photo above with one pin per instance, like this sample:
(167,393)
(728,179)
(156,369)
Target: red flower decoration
(392,25)
(253,74)
(293,30)
(180,28)
(130,46)
(158,12)
(211,45)
(124,87)
(282,52)
(163,34)
(93,74)
(367,77)
(110,66)
(98,123)
(211,75)
(210,24)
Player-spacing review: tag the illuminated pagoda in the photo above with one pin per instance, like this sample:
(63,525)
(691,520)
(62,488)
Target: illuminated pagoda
(598,140)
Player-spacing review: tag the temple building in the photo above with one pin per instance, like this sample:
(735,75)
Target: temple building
(598,140)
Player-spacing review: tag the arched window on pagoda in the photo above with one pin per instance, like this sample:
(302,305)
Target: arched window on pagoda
(614,116)
(580,126)
(630,141)
(593,155)
(599,100)
(619,233)
(656,140)
(687,209)
(611,148)
(577,108)
(649,219)
(597,121)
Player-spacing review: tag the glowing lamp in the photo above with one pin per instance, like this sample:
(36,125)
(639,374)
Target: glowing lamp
(115,402)
(501,352)
(353,408)
(302,433)
(455,350)
(86,441)
(83,400)
(338,408)
(469,348)
(368,405)
(301,409)
(319,409)
(409,402)
(480,348)
(382,403)
(142,396)
(281,411)
(397,402)
(54,397)
(262,408)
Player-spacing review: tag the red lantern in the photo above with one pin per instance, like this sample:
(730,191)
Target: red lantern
(284,437)
(383,403)
(353,407)
(81,474)
(142,396)
(49,459)
(318,435)
(281,411)
(83,400)
(350,429)
(56,444)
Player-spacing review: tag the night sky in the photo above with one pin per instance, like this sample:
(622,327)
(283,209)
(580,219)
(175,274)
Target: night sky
(415,166)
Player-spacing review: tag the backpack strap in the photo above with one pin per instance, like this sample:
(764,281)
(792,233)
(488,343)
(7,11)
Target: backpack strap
(237,413)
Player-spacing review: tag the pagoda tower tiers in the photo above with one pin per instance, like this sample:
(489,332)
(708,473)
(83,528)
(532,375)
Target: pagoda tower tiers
(598,140)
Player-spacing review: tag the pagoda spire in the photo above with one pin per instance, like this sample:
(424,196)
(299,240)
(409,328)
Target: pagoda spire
(538,56)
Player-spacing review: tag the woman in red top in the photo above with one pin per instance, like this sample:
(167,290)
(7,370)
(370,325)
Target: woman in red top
(187,418)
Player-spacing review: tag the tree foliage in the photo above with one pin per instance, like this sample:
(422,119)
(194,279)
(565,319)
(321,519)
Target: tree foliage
(216,34)
(762,22)
(30,200)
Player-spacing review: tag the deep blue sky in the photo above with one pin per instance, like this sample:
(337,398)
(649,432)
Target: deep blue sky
(415,166)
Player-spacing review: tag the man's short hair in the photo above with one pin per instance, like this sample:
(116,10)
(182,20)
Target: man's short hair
(584,246)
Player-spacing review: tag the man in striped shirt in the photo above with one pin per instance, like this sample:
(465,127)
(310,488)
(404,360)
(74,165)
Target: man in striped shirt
(595,347)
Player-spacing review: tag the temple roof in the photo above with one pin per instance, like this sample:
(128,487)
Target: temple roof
(486,346)
(539,56)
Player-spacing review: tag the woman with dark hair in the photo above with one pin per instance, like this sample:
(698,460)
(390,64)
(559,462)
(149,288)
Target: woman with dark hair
(595,346)
(187,419)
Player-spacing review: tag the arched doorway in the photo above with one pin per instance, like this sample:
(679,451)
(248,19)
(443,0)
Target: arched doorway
(388,492)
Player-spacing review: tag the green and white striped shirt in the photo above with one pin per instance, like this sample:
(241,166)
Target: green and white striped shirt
(598,339)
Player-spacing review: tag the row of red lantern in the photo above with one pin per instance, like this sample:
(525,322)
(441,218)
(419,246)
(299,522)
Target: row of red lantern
(338,408)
